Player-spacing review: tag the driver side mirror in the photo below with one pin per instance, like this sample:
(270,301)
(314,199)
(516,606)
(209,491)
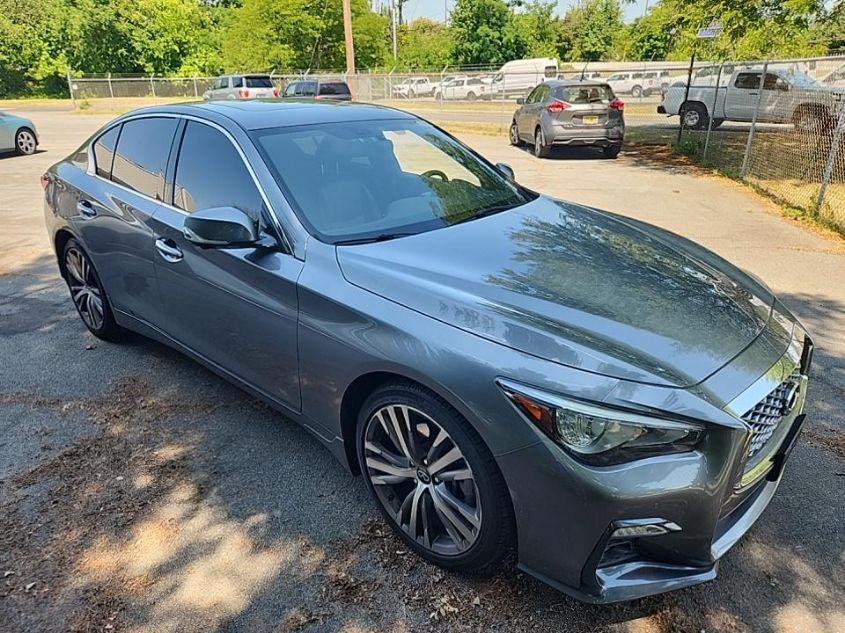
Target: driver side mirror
(221,227)
(520,100)
(507,171)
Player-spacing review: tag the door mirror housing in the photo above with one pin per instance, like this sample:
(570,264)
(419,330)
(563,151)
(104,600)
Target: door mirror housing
(507,171)
(221,227)
(520,100)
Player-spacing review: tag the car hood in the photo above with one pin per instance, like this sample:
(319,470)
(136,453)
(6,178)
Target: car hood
(576,286)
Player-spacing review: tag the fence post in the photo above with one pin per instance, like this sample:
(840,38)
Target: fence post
(152,86)
(196,92)
(712,112)
(686,97)
(111,90)
(744,170)
(70,88)
(831,158)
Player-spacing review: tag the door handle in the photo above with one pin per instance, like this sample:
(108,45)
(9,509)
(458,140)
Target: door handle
(168,250)
(85,209)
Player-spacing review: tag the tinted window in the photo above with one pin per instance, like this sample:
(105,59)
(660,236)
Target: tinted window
(104,151)
(307,88)
(221,182)
(747,81)
(141,157)
(291,89)
(258,82)
(334,88)
(237,82)
(583,94)
(534,97)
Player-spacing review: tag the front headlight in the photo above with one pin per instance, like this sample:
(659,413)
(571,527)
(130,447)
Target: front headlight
(601,435)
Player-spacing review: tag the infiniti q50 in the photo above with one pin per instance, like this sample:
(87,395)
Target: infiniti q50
(505,370)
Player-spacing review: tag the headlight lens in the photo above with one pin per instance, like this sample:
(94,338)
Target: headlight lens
(601,435)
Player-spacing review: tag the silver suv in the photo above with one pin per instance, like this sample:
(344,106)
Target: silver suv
(242,87)
(565,112)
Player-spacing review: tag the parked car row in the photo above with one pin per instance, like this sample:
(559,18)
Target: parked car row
(262,87)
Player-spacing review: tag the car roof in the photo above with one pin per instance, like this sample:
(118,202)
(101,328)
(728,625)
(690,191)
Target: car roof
(574,82)
(267,113)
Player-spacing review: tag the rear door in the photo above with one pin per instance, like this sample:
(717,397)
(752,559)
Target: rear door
(113,217)
(237,308)
(741,98)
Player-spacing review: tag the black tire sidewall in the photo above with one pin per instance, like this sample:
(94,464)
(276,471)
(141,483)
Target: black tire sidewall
(17,146)
(110,330)
(494,539)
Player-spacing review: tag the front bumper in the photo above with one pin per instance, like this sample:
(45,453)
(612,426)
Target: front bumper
(565,536)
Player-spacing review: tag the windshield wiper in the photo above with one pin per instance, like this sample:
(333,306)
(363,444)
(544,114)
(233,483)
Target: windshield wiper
(489,211)
(381,237)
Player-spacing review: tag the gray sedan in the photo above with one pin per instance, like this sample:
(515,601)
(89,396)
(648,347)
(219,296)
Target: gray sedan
(572,113)
(505,370)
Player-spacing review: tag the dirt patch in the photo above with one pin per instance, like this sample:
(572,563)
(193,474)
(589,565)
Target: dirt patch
(91,496)
(830,439)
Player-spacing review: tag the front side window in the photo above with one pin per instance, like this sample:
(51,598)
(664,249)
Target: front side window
(211,173)
(141,157)
(534,97)
(104,151)
(291,89)
(356,181)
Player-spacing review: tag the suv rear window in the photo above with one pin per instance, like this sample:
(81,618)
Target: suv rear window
(583,94)
(334,88)
(258,82)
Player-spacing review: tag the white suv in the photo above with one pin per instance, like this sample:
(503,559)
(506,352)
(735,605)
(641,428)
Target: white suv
(414,87)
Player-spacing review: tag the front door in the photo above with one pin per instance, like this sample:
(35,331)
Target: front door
(742,96)
(236,308)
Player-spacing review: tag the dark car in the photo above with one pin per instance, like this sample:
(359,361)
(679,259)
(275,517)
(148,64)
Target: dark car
(318,89)
(504,369)
(569,112)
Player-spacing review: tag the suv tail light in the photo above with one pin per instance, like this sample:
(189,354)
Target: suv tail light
(617,104)
(244,93)
(275,92)
(557,106)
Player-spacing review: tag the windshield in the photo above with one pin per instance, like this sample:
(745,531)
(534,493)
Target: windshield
(361,180)
(801,79)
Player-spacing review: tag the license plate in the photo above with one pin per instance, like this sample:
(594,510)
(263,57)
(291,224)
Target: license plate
(591,120)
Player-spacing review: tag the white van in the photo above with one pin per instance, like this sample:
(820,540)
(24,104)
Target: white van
(518,77)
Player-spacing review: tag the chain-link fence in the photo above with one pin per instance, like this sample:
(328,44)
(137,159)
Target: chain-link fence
(778,125)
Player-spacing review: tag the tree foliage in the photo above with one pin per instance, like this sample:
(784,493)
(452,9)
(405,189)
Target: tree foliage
(40,40)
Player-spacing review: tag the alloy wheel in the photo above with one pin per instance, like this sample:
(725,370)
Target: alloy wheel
(84,288)
(422,479)
(26,142)
(514,134)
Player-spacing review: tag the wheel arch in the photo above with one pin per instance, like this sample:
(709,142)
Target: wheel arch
(60,239)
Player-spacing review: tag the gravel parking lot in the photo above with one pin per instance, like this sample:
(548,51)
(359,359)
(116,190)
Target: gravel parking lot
(139,492)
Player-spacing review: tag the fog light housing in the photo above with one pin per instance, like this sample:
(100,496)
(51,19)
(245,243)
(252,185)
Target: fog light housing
(636,528)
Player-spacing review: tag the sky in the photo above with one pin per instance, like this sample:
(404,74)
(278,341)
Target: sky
(434,9)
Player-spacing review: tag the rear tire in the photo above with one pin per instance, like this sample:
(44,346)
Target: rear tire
(611,151)
(513,135)
(541,150)
(454,511)
(471,96)
(694,116)
(87,292)
(25,143)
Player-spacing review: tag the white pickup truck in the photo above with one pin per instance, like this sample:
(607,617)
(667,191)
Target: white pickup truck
(787,97)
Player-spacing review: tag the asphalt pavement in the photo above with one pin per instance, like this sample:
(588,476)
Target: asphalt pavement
(139,492)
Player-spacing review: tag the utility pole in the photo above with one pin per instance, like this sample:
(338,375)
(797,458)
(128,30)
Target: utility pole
(347,34)
(393,29)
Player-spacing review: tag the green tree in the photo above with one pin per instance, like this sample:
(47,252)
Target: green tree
(424,43)
(537,28)
(484,33)
(284,34)
(590,30)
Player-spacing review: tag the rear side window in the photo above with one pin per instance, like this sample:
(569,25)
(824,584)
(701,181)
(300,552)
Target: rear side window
(141,157)
(747,81)
(237,82)
(258,82)
(334,88)
(104,151)
(211,173)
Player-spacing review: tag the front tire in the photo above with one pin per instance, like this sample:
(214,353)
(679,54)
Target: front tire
(25,143)
(434,479)
(637,92)
(88,294)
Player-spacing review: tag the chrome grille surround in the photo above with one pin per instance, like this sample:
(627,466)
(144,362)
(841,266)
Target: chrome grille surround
(765,416)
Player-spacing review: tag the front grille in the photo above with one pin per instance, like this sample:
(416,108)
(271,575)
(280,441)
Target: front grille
(765,416)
